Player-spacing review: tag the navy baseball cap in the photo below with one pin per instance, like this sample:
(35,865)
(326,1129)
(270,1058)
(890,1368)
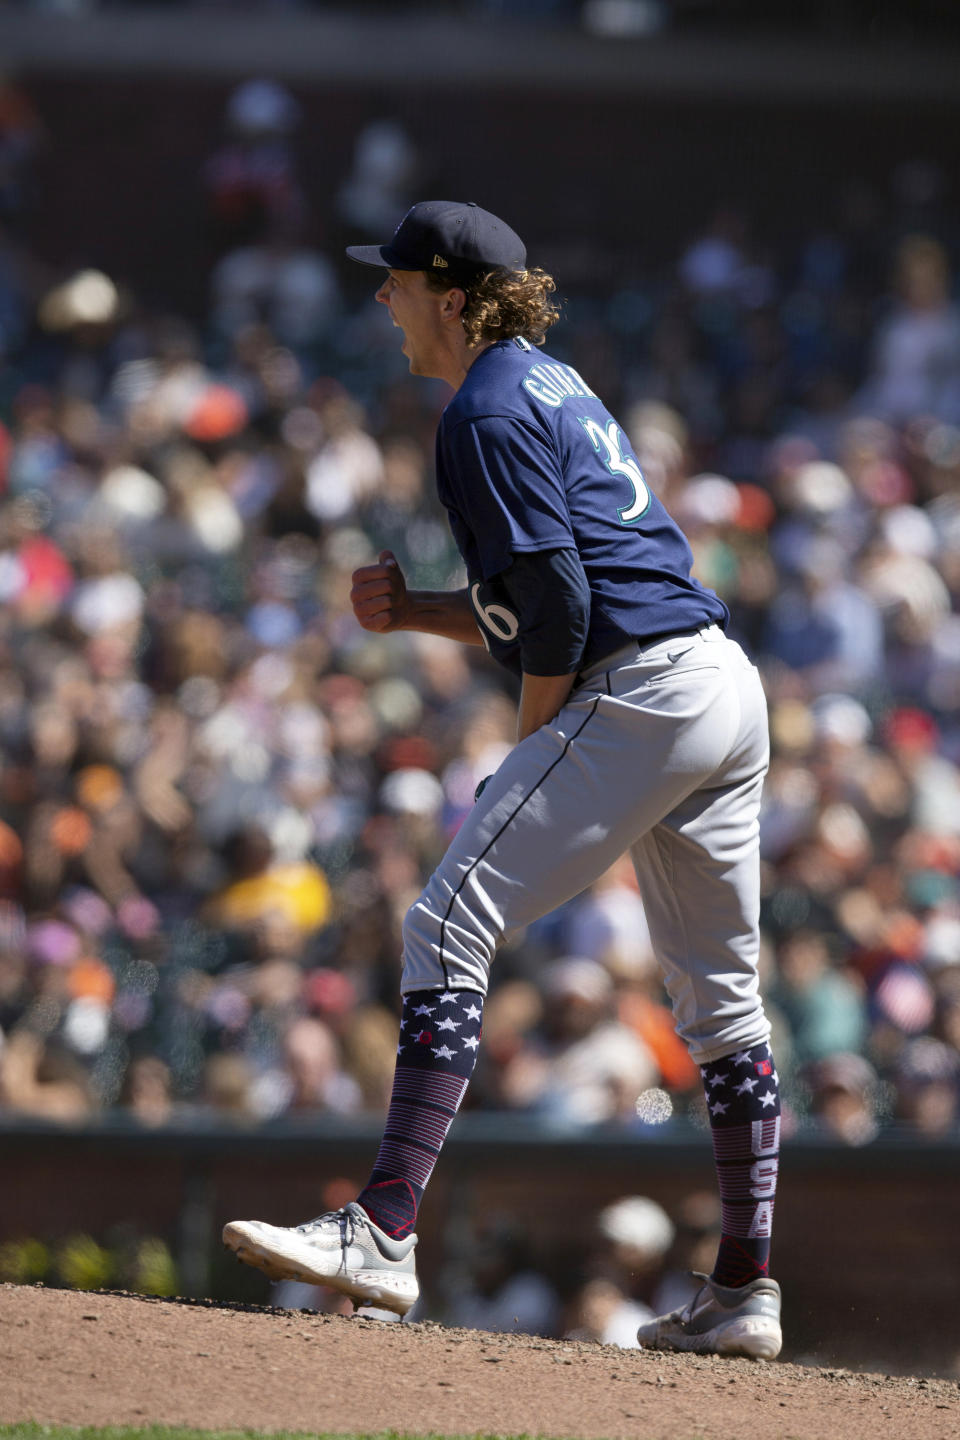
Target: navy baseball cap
(445,235)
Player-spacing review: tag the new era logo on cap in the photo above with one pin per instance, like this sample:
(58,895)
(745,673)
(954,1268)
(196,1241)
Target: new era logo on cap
(447,235)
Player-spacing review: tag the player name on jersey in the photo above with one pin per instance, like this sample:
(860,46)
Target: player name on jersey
(555,383)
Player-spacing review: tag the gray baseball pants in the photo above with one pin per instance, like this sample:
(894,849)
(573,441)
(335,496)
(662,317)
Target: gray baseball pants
(661,751)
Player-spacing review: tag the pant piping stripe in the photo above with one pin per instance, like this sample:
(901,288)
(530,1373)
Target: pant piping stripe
(509,821)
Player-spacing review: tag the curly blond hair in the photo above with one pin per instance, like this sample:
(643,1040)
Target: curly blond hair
(502,304)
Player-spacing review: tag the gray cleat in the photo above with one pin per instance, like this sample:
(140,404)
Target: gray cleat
(342,1249)
(721,1321)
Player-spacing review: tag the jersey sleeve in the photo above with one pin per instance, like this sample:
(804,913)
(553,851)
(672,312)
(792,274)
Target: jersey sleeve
(549,592)
(507,484)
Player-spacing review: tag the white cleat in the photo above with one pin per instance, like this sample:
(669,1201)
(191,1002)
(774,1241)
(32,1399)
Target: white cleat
(343,1249)
(721,1321)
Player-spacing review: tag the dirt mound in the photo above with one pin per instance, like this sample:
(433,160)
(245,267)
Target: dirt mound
(100,1359)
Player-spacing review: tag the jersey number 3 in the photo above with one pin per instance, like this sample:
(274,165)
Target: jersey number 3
(608,441)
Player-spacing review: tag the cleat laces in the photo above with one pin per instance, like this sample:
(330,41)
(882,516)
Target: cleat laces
(684,1313)
(691,1304)
(346,1223)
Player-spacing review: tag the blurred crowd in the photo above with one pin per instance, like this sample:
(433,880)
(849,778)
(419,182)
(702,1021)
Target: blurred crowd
(218,795)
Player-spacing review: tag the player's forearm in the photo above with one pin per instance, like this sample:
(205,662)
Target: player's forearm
(442,612)
(541,698)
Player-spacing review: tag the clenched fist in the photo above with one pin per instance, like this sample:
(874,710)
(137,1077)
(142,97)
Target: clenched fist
(379,594)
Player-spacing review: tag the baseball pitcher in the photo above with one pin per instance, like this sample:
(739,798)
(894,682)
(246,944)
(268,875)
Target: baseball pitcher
(641,727)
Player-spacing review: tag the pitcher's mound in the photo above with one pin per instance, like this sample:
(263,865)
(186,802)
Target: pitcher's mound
(108,1359)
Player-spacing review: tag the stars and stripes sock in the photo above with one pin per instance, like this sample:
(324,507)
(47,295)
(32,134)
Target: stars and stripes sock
(743,1101)
(437,1050)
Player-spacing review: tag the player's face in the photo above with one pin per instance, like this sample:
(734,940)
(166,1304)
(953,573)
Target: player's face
(417,311)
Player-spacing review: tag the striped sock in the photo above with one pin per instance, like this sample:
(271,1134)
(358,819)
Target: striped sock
(743,1099)
(439,1036)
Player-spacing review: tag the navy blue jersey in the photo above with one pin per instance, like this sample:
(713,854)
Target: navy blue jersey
(529,459)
